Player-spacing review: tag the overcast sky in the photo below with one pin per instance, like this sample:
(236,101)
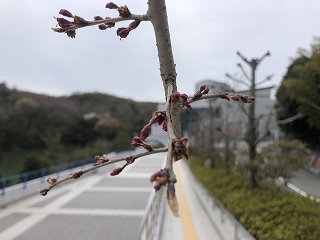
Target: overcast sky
(205,37)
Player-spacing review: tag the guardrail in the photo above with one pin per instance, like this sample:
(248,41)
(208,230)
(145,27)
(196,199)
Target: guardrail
(151,224)
(41,173)
(225,223)
(18,186)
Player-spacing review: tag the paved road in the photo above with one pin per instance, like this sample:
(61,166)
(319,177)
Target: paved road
(94,207)
(307,182)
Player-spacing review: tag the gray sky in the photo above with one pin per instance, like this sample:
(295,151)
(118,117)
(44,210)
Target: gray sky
(205,37)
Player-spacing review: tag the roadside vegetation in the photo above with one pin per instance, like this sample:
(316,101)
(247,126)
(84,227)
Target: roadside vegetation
(267,212)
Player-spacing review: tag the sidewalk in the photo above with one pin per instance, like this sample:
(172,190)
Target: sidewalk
(193,222)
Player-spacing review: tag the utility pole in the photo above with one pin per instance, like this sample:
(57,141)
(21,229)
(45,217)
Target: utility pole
(251,136)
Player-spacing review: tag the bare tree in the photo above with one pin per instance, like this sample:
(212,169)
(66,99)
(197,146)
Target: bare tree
(169,118)
(252,137)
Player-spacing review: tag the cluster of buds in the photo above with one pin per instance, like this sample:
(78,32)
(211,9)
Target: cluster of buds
(69,27)
(76,175)
(65,24)
(101,159)
(104,26)
(180,149)
(123,10)
(201,91)
(160,179)
(116,171)
(124,32)
(125,13)
(52,180)
(137,142)
(246,98)
(182,98)
(236,98)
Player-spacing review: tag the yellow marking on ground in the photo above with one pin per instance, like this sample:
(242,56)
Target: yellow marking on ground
(187,224)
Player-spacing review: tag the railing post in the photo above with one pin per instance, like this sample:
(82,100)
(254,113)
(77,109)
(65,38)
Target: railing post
(43,172)
(3,187)
(25,179)
(71,165)
(83,162)
(58,171)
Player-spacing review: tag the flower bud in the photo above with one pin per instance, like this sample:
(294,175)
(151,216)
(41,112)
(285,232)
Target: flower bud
(64,23)
(235,98)
(145,132)
(184,96)
(123,32)
(124,11)
(176,95)
(111,5)
(65,13)
(136,138)
(205,91)
(97,18)
(203,87)
(102,26)
(173,203)
(164,126)
(116,171)
(52,180)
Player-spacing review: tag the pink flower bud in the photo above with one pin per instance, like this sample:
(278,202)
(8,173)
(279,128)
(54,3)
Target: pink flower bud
(65,13)
(116,171)
(97,18)
(203,87)
(111,5)
(184,96)
(102,26)
(145,132)
(176,95)
(136,138)
(123,32)
(206,90)
(186,103)
(164,126)
(235,98)
(64,23)
(124,11)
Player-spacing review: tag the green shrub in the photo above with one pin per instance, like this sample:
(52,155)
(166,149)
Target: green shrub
(267,212)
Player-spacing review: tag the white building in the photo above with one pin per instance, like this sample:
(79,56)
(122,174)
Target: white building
(218,117)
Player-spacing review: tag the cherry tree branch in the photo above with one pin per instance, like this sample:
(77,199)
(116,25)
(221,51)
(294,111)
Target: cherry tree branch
(170,117)
(102,21)
(75,175)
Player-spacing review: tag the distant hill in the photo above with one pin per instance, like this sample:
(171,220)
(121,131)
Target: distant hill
(14,105)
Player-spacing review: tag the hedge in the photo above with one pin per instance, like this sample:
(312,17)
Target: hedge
(267,212)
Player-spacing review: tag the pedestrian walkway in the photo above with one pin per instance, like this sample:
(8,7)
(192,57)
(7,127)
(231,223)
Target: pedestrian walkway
(193,223)
(94,207)
(99,206)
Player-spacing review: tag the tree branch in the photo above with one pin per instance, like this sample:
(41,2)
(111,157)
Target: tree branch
(72,175)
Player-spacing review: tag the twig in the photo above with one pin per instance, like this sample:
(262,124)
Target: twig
(46,190)
(105,21)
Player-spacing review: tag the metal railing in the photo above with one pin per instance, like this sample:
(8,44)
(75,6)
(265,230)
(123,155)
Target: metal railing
(41,173)
(151,224)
